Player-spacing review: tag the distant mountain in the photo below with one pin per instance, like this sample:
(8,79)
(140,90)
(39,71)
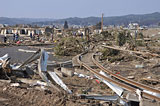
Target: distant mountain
(13,21)
(143,19)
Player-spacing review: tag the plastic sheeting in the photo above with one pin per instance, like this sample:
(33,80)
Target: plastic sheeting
(59,81)
(43,60)
(118,90)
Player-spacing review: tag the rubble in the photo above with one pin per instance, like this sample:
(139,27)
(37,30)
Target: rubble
(68,47)
(150,81)
(139,66)
(59,81)
(15,85)
(130,77)
(40,80)
(58,72)
(67,71)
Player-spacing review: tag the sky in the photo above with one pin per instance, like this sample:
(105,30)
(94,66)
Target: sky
(59,9)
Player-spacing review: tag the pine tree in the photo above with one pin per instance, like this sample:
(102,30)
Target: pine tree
(65,25)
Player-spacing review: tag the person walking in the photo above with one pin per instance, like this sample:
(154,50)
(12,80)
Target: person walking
(51,37)
(38,37)
(5,38)
(31,36)
(17,37)
(14,37)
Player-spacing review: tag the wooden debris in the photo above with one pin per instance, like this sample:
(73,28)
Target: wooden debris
(130,77)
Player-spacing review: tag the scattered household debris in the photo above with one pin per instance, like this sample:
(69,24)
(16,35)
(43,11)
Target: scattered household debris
(83,76)
(36,76)
(15,84)
(130,77)
(42,58)
(139,66)
(32,82)
(99,97)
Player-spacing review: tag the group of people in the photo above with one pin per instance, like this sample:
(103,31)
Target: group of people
(33,37)
(15,38)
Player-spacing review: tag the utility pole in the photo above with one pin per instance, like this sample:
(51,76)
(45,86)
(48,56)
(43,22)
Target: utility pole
(102,23)
(87,33)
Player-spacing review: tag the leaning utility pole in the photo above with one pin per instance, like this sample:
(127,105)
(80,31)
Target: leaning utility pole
(102,23)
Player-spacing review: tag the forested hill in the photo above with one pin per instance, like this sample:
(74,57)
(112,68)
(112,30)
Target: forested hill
(143,19)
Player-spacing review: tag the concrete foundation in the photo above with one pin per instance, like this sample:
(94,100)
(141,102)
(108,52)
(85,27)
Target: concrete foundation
(67,71)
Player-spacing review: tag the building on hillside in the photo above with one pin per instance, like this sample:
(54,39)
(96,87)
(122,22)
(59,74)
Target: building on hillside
(133,26)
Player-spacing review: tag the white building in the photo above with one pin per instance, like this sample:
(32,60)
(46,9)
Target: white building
(133,26)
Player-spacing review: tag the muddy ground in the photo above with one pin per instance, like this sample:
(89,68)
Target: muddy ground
(25,96)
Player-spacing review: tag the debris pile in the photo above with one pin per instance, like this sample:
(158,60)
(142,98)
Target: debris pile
(68,46)
(32,78)
(25,72)
(110,54)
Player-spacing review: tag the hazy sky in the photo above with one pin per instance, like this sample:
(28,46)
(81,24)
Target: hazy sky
(75,8)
